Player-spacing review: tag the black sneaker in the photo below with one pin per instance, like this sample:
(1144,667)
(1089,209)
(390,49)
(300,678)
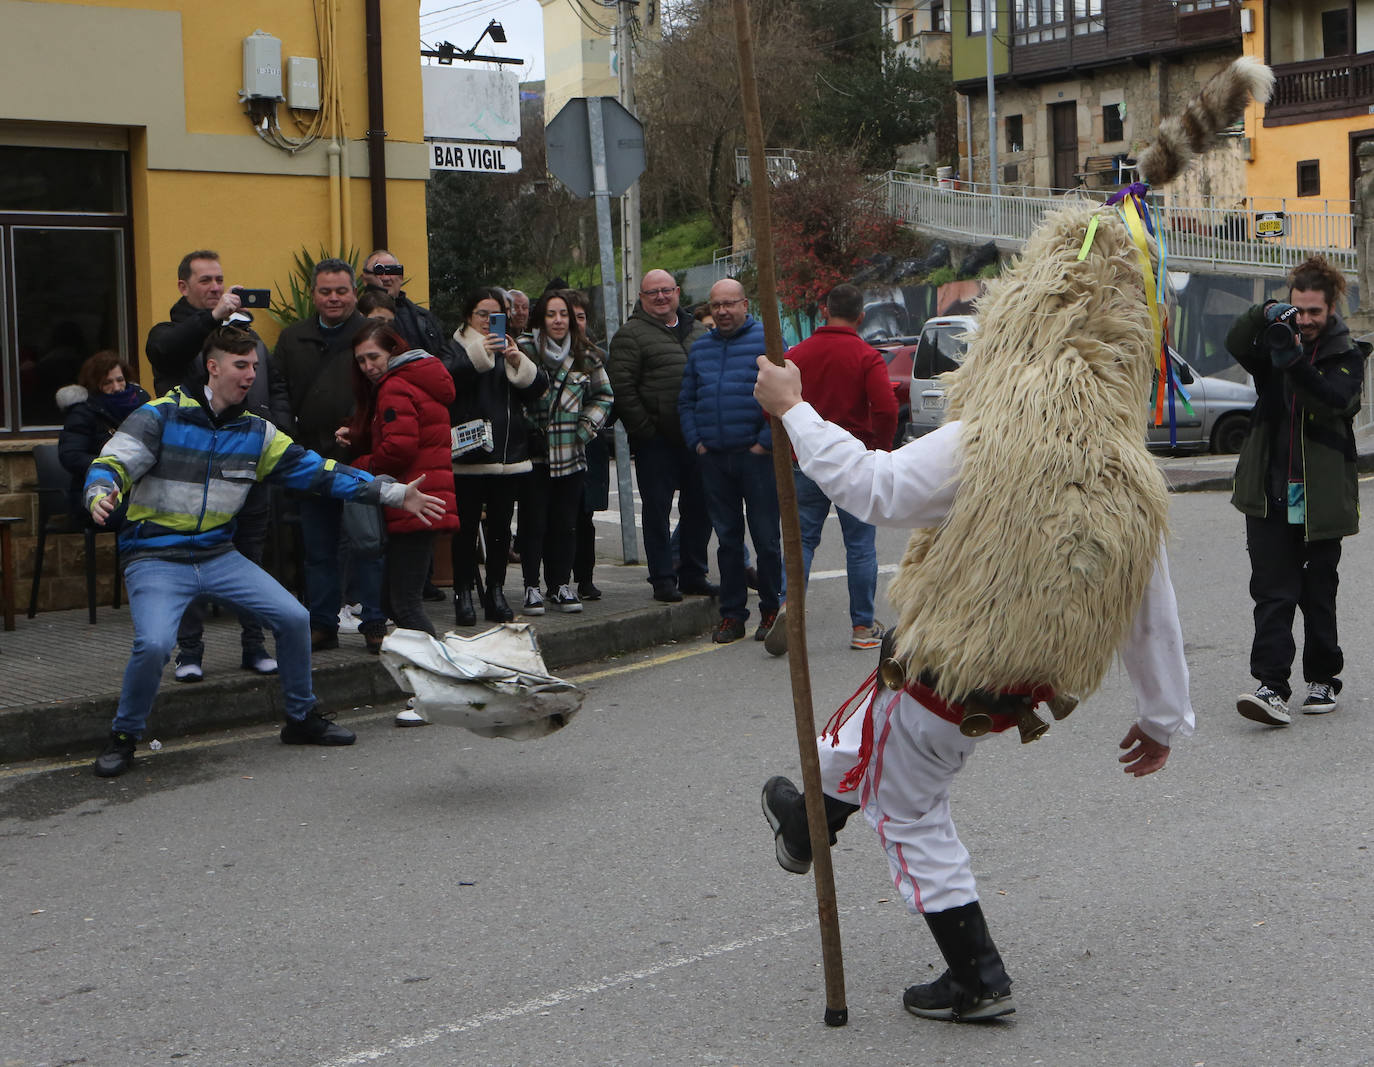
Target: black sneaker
(667,593)
(784,809)
(1321,699)
(945,998)
(564,599)
(698,587)
(1264,705)
(315,729)
(728,630)
(588,591)
(118,756)
(433,593)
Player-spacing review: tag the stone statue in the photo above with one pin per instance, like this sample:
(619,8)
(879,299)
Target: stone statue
(1364,230)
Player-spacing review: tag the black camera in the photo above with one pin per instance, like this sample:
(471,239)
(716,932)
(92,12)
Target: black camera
(1282,331)
(390,269)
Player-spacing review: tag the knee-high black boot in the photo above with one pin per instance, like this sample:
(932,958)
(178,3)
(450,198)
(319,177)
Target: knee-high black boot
(976,986)
(785,810)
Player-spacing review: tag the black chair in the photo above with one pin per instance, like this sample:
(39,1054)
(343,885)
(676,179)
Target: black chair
(55,517)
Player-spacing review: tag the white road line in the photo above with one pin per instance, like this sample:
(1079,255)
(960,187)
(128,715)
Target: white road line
(560,996)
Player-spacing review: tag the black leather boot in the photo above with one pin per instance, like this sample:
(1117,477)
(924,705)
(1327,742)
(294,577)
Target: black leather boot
(496,608)
(785,810)
(976,986)
(464,611)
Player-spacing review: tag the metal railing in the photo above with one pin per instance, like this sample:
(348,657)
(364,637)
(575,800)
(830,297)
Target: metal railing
(1202,232)
(782,164)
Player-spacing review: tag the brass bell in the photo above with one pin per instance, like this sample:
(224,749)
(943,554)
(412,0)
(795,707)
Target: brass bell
(977,719)
(1062,704)
(1031,725)
(892,673)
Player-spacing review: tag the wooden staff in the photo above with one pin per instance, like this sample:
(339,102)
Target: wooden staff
(836,1012)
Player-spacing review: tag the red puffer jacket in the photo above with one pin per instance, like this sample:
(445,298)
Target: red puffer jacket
(409,436)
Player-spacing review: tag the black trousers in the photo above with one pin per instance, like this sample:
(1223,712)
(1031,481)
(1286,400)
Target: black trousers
(408,556)
(548,526)
(1287,573)
(498,493)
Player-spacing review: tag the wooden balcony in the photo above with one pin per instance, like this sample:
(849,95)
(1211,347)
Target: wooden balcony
(1321,88)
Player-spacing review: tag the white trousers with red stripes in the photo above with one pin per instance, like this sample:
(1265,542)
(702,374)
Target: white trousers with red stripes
(905,797)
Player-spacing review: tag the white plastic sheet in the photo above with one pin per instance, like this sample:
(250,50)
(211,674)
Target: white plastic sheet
(494,683)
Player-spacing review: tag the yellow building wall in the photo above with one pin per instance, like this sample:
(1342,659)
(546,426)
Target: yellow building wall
(1276,150)
(577,59)
(200,176)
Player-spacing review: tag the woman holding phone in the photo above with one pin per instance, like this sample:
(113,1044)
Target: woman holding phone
(494,381)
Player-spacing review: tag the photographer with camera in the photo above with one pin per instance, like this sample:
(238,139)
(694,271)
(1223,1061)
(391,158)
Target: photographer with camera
(173,349)
(418,325)
(1296,483)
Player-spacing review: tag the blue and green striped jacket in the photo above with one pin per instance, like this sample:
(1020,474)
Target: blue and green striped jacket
(186,474)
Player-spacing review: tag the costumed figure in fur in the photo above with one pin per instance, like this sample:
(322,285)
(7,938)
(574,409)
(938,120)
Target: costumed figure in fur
(1038,552)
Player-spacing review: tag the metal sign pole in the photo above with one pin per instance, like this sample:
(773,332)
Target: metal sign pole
(610,303)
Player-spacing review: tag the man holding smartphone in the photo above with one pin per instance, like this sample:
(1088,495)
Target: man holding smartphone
(173,349)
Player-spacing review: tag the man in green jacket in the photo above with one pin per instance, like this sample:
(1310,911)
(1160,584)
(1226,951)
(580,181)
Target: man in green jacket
(1296,483)
(646,360)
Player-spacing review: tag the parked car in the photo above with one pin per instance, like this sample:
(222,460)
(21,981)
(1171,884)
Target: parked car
(897,353)
(1221,407)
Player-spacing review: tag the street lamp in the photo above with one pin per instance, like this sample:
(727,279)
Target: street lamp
(446,52)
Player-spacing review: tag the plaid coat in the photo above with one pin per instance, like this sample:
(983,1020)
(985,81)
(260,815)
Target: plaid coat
(570,412)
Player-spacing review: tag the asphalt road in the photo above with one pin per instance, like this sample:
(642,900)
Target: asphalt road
(608,895)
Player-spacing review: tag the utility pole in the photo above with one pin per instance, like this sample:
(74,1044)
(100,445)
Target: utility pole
(629,203)
(992,98)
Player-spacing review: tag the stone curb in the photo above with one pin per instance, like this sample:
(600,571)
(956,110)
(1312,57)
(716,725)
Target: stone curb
(77,728)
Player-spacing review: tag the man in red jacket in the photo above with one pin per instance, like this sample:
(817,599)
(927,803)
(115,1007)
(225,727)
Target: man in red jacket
(845,380)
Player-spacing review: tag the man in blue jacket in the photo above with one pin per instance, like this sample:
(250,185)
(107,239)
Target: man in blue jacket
(723,423)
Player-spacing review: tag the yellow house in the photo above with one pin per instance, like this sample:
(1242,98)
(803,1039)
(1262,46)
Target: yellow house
(1302,144)
(126,141)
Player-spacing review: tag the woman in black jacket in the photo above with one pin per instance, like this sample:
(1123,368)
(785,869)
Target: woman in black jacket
(494,381)
(103,396)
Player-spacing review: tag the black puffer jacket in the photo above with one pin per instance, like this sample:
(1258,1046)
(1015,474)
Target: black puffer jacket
(645,366)
(491,389)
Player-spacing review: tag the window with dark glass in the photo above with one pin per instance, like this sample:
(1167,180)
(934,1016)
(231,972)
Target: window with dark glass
(1015,137)
(1112,127)
(1309,177)
(937,17)
(64,295)
(908,27)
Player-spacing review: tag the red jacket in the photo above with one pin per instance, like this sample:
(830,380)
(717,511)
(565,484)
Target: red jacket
(409,436)
(845,380)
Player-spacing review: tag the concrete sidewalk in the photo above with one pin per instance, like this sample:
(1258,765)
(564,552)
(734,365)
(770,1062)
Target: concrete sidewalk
(62,675)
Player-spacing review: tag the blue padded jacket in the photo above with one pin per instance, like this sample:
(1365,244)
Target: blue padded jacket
(716,406)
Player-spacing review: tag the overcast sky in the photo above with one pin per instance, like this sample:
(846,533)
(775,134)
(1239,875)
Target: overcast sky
(462,23)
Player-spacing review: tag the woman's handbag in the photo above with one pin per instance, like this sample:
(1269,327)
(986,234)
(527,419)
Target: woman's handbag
(364,529)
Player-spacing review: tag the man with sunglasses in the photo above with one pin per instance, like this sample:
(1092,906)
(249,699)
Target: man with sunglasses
(418,325)
(187,462)
(173,350)
(647,357)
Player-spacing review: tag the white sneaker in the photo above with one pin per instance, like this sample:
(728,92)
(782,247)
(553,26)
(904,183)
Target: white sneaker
(534,602)
(566,600)
(189,672)
(348,619)
(410,717)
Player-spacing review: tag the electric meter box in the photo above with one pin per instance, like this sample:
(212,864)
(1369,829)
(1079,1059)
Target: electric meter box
(261,67)
(303,83)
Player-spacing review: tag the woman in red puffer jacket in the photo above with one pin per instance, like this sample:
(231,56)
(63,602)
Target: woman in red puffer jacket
(400,428)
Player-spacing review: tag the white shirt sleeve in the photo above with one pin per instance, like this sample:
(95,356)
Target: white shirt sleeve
(1153,657)
(912,487)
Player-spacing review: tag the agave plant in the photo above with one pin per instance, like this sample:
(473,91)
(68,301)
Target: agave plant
(299,304)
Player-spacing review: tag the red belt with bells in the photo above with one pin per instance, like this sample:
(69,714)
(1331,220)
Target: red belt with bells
(993,721)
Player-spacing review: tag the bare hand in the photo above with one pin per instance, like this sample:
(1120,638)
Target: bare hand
(103,506)
(758,449)
(1146,757)
(341,436)
(701,450)
(228,304)
(512,354)
(778,389)
(428,509)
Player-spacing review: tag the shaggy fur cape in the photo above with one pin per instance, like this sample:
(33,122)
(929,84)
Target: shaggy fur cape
(1036,574)
(1038,571)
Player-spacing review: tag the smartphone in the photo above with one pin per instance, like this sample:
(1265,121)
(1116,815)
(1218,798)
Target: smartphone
(253,298)
(497,323)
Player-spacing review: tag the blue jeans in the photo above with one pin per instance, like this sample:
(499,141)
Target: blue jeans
(860,550)
(159,592)
(740,487)
(321,524)
(662,469)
